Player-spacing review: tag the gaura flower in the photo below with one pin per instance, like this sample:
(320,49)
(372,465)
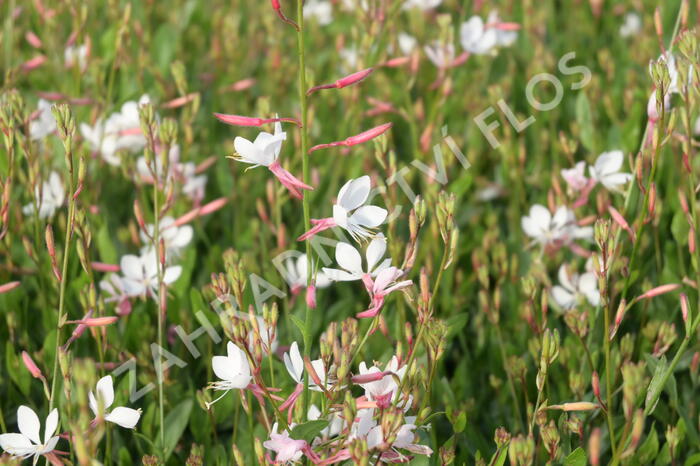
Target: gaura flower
(233,369)
(321,10)
(44,123)
(28,443)
(76,54)
(575,177)
(334,428)
(49,198)
(379,288)
(631,26)
(295,367)
(558,229)
(385,389)
(115,288)
(350,212)
(481,38)
(350,261)
(573,288)
(606,170)
(422,5)
(407,43)
(141,274)
(265,151)
(174,237)
(296,273)
(120,415)
(287,449)
(121,131)
(442,55)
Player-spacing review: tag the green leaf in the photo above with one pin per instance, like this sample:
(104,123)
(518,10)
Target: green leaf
(499,458)
(585,121)
(692,460)
(456,323)
(300,325)
(308,430)
(647,452)
(655,386)
(576,458)
(460,423)
(175,423)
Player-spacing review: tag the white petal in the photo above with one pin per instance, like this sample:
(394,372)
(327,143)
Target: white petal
(563,297)
(354,193)
(28,423)
(370,216)
(348,258)
(247,150)
(375,251)
(105,391)
(131,267)
(51,425)
(16,444)
(171,274)
(537,222)
(125,417)
(337,275)
(609,162)
(183,237)
(223,368)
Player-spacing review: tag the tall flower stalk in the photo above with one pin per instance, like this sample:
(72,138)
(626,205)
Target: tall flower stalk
(305,178)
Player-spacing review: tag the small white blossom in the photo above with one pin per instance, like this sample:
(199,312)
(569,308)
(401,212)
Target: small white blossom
(120,415)
(573,288)
(49,198)
(44,123)
(28,442)
(557,229)
(140,274)
(350,261)
(606,170)
(631,26)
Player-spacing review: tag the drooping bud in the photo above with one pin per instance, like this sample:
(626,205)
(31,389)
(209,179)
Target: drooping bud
(346,81)
(357,139)
(238,120)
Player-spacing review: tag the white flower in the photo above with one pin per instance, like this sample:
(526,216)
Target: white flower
(76,54)
(233,369)
(442,55)
(121,131)
(296,273)
(350,261)
(423,5)
(141,274)
(557,229)
(319,9)
(44,123)
(350,212)
(386,388)
(193,185)
(481,38)
(573,288)
(175,238)
(295,366)
(263,151)
(120,415)
(575,177)
(631,26)
(335,425)
(28,443)
(49,198)
(606,170)
(407,43)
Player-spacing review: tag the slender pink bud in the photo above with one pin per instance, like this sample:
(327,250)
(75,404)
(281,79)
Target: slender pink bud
(238,86)
(684,307)
(620,220)
(206,209)
(594,446)
(349,80)
(691,241)
(619,315)
(95,321)
(311,296)
(652,199)
(180,101)
(238,120)
(576,406)
(357,139)
(507,26)
(595,383)
(369,377)
(312,372)
(102,267)
(33,63)
(7,287)
(31,366)
(686,162)
(397,62)
(659,290)
(33,40)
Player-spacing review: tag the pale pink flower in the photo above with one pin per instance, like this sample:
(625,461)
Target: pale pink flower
(385,389)
(573,288)
(575,177)
(379,288)
(606,170)
(558,229)
(287,449)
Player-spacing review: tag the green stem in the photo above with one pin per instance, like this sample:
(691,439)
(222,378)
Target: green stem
(305,169)
(511,385)
(608,379)
(159,367)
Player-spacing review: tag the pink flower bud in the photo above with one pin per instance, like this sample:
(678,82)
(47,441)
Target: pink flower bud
(102,267)
(241,85)
(595,382)
(33,40)
(620,220)
(180,101)
(397,62)
(33,63)
(311,296)
(684,306)
(95,321)
(206,209)
(31,366)
(659,290)
(357,139)
(7,287)
(238,120)
(349,80)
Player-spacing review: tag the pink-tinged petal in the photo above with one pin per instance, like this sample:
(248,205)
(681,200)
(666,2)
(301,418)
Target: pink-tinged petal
(124,417)
(319,226)
(28,423)
(33,63)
